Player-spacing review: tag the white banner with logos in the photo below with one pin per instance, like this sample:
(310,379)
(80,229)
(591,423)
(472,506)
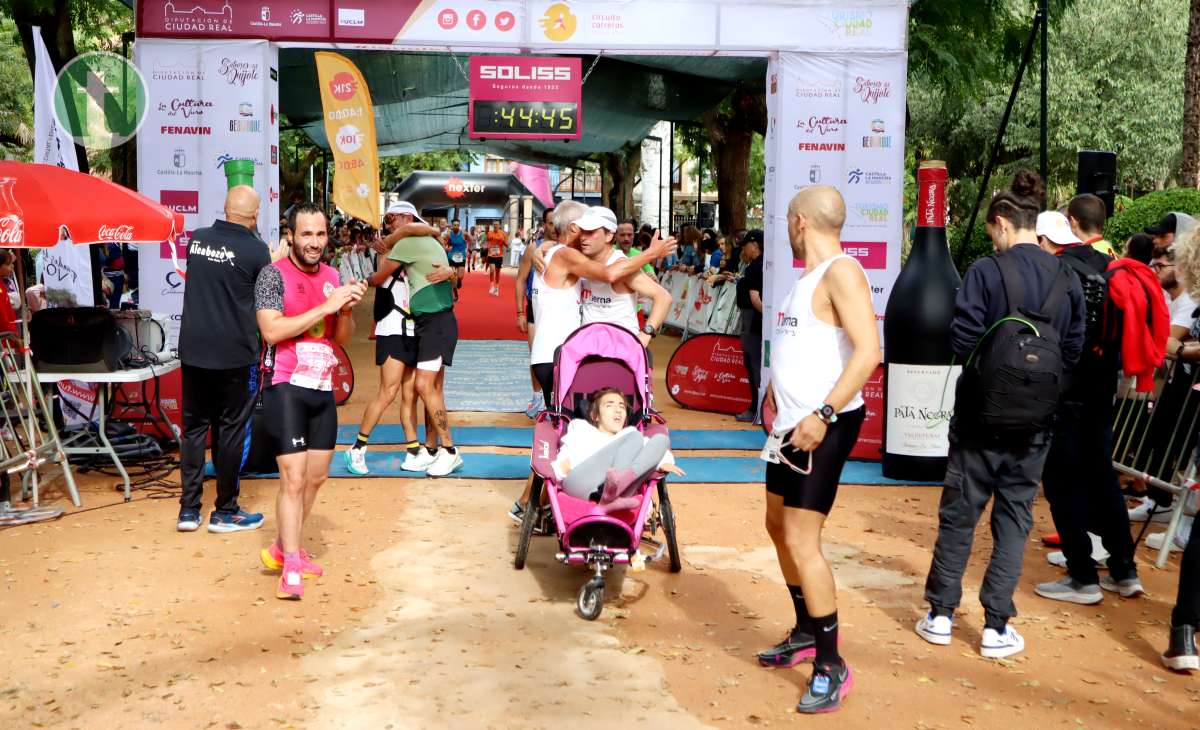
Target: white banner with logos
(209,102)
(835,120)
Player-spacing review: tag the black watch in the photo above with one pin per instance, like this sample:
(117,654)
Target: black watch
(647,329)
(827,414)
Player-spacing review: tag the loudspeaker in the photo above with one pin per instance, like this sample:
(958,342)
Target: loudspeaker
(1098,175)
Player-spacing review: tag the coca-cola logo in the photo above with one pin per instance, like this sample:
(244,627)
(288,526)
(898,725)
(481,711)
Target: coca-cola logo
(822,125)
(185,108)
(237,73)
(12,230)
(871,91)
(120,233)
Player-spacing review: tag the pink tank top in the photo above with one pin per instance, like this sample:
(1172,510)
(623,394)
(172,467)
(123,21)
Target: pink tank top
(306,361)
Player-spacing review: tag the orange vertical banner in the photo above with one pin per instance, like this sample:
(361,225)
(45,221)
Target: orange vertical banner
(350,128)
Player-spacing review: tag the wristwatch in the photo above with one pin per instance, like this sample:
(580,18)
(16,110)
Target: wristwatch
(827,414)
(649,330)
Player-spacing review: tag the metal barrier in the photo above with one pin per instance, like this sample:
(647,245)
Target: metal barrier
(1154,436)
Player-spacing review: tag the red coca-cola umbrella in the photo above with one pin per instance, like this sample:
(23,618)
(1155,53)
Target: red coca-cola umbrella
(38,201)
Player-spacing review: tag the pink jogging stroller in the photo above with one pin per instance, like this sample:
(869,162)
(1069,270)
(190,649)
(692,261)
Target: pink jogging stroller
(599,356)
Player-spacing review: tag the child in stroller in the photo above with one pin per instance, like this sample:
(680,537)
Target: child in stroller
(604,460)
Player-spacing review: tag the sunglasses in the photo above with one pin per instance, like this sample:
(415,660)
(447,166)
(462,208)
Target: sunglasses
(776,451)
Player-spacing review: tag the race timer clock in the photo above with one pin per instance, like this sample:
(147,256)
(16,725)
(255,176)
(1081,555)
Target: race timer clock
(525,97)
(533,118)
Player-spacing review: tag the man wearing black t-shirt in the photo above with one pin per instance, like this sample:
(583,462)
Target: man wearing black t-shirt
(749,301)
(219,349)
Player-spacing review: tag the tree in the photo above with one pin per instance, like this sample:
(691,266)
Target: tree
(620,175)
(1189,171)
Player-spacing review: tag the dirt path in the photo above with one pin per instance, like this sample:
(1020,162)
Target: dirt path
(111,619)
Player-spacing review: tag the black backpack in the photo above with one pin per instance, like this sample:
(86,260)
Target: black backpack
(1015,376)
(1102,324)
(385,302)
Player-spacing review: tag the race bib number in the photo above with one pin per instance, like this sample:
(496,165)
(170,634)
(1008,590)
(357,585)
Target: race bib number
(494,251)
(315,362)
(458,257)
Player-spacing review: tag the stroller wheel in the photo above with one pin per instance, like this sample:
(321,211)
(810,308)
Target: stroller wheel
(667,515)
(591,600)
(528,520)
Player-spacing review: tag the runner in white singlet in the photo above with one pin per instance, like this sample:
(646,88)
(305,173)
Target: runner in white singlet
(556,310)
(604,302)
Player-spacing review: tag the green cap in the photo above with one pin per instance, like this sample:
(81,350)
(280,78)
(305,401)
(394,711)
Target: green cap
(239,172)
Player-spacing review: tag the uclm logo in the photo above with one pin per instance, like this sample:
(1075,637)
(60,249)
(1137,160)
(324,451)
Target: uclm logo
(343,86)
(531,73)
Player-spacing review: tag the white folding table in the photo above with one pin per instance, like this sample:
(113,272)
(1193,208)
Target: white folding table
(107,381)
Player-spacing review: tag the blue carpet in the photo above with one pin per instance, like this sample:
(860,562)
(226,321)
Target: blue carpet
(520,438)
(490,376)
(700,469)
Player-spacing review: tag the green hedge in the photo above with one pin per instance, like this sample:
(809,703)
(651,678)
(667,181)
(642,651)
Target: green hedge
(1150,209)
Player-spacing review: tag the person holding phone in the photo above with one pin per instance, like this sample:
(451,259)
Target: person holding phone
(824,347)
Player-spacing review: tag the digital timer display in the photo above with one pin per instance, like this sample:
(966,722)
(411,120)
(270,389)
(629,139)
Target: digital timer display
(532,118)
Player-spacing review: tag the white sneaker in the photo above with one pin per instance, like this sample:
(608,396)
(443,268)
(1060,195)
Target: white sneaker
(1149,509)
(419,461)
(997,645)
(1099,554)
(935,629)
(356,461)
(445,464)
(1155,542)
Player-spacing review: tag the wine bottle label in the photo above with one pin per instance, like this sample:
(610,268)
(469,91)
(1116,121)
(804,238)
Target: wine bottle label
(920,401)
(931,197)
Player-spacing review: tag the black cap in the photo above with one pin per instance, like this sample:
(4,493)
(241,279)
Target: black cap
(755,235)
(1164,226)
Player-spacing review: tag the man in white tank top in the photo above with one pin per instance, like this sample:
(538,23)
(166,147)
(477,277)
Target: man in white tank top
(824,346)
(611,283)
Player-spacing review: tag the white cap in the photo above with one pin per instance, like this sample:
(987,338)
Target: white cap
(1054,225)
(404,208)
(597,217)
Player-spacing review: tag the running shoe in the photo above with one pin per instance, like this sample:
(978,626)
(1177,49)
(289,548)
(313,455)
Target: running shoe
(827,688)
(1155,542)
(445,463)
(356,461)
(1070,590)
(234,521)
(1000,644)
(1099,554)
(1149,510)
(419,461)
(795,648)
(272,559)
(1128,588)
(746,417)
(1181,654)
(189,520)
(517,513)
(537,404)
(291,581)
(935,629)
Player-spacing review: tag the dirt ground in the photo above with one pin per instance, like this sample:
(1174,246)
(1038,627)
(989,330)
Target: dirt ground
(113,619)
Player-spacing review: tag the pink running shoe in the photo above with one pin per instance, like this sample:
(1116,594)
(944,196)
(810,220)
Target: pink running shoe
(291,583)
(272,559)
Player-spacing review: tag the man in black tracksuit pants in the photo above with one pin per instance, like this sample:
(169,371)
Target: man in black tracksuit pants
(219,350)
(1078,478)
(981,465)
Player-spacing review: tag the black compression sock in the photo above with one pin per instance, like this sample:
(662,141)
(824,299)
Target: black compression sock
(803,620)
(361,441)
(451,449)
(413,447)
(825,631)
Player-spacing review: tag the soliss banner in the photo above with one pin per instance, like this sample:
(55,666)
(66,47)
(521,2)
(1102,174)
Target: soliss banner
(350,128)
(707,373)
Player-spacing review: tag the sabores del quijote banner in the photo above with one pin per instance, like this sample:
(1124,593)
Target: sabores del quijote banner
(209,103)
(836,120)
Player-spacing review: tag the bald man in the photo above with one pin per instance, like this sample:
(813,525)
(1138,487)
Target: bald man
(824,346)
(218,346)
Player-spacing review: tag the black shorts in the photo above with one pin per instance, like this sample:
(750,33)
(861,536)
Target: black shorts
(496,261)
(543,372)
(528,311)
(400,348)
(816,491)
(437,336)
(300,419)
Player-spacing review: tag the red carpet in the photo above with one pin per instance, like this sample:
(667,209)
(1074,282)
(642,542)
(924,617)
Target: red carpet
(484,317)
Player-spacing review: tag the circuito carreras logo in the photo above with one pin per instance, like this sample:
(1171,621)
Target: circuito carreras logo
(559,23)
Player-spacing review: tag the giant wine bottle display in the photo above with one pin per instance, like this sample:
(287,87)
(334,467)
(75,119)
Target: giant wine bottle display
(920,376)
